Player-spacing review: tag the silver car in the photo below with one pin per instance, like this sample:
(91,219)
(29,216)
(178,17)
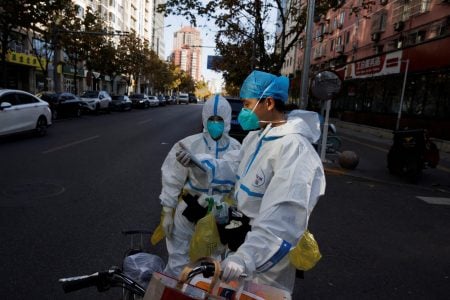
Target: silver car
(96,101)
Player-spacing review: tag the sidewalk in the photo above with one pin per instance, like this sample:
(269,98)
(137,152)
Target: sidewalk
(372,163)
(384,136)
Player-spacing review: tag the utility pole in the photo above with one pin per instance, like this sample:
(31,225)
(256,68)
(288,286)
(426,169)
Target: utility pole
(399,115)
(307,55)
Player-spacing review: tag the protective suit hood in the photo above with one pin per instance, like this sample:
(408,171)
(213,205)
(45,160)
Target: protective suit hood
(217,106)
(303,122)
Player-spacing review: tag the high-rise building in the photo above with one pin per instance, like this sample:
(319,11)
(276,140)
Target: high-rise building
(187,52)
(138,16)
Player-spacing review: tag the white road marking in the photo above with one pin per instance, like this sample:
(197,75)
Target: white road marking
(435,200)
(70,144)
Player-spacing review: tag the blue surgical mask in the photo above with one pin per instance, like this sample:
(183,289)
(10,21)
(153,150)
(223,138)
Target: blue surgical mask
(248,119)
(215,128)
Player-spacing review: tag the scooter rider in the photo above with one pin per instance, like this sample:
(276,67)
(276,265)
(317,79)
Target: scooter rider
(179,217)
(278,181)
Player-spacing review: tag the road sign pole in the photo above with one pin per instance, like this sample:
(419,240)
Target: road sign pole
(323,145)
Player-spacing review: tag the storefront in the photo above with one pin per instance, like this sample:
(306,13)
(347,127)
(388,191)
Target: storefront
(373,86)
(73,83)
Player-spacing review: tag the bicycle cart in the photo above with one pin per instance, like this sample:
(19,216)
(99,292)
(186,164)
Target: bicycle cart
(133,276)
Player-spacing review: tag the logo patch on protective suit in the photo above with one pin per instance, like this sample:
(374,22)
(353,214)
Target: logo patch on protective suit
(260,178)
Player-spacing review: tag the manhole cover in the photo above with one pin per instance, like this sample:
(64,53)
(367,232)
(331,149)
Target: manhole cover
(31,191)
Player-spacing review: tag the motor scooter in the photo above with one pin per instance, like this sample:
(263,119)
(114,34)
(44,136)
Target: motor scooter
(411,152)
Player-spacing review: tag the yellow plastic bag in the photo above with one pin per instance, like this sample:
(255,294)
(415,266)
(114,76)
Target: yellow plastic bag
(157,235)
(205,239)
(306,254)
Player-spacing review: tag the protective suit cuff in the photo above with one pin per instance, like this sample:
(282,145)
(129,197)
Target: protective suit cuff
(282,251)
(167,209)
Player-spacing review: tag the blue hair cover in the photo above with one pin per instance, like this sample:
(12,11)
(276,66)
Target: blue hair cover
(261,85)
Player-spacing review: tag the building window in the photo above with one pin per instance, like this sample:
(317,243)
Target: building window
(332,46)
(347,37)
(80,11)
(379,22)
(378,49)
(342,17)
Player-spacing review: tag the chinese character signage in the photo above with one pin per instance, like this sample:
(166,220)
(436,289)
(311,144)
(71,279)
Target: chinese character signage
(375,66)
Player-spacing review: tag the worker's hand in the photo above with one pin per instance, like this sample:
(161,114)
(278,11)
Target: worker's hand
(233,267)
(184,158)
(167,222)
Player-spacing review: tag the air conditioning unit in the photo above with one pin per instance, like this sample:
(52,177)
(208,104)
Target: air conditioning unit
(339,25)
(383,2)
(340,48)
(399,26)
(320,38)
(376,36)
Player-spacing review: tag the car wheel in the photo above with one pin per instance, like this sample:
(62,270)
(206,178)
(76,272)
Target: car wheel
(54,114)
(41,126)
(97,109)
(78,112)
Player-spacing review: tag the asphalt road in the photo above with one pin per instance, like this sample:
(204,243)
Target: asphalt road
(65,198)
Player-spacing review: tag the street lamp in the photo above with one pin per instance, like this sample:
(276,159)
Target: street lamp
(157,41)
(399,115)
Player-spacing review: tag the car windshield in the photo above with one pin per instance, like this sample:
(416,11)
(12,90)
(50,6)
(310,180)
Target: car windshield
(90,94)
(236,104)
(137,96)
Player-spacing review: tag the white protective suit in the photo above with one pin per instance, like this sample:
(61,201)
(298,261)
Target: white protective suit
(278,182)
(176,178)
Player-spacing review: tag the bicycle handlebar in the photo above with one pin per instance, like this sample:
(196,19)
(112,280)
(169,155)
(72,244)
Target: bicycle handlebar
(75,283)
(114,277)
(104,280)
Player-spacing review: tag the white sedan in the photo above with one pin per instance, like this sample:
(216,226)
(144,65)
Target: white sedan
(21,111)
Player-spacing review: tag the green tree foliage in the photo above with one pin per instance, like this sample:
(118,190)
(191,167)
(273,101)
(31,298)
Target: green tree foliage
(15,15)
(43,32)
(247,38)
(187,84)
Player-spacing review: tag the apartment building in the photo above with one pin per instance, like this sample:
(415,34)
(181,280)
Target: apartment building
(139,16)
(373,50)
(187,51)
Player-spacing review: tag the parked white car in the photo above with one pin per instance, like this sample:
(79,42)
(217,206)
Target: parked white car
(96,100)
(21,111)
(154,101)
(183,98)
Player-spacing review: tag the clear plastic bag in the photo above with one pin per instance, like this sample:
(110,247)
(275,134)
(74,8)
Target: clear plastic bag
(306,254)
(140,267)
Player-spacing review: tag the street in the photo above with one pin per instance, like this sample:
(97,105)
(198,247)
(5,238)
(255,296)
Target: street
(65,199)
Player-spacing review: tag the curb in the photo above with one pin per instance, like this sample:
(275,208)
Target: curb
(443,145)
